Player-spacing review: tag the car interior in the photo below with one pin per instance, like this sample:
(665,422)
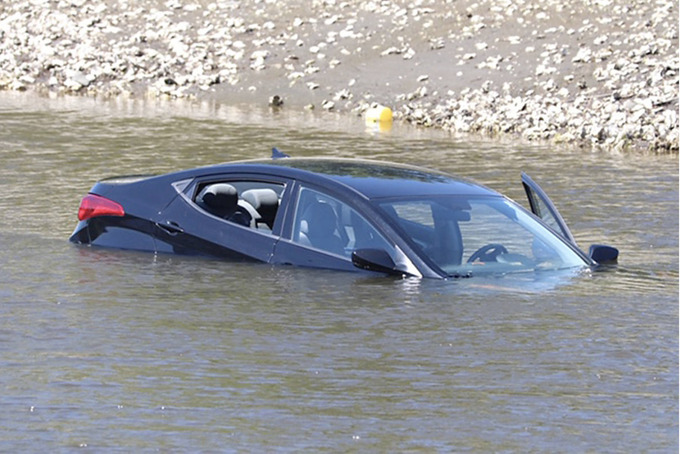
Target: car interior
(249,203)
(319,228)
(327,224)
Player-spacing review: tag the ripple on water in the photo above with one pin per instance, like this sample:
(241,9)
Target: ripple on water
(128,351)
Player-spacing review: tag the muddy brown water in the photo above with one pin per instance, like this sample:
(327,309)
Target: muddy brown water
(129,352)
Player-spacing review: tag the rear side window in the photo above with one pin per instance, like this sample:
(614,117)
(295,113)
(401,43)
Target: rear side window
(250,203)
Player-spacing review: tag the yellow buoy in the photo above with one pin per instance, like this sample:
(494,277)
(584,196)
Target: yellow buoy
(379,114)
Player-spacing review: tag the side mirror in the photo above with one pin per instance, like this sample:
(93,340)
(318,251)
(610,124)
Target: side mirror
(603,255)
(375,260)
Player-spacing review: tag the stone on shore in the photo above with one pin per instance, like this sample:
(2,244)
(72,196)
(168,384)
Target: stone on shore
(601,74)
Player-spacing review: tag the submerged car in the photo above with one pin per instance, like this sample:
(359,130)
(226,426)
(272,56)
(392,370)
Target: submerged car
(341,214)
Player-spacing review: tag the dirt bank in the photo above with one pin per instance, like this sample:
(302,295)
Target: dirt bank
(600,73)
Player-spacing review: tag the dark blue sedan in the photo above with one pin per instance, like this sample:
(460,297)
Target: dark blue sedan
(337,214)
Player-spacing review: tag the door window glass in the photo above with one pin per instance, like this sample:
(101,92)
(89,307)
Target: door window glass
(325,223)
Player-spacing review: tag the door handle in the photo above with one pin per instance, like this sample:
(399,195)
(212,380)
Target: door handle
(170,227)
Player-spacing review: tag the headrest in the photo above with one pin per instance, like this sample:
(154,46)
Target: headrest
(261,198)
(220,195)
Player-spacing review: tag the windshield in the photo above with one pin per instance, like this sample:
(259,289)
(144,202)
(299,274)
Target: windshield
(466,236)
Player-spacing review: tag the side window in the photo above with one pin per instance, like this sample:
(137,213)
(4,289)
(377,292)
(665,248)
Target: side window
(253,204)
(325,223)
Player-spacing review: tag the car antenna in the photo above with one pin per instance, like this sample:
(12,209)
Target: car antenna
(277,154)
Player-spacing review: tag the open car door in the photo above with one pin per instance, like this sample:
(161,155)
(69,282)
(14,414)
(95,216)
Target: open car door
(542,206)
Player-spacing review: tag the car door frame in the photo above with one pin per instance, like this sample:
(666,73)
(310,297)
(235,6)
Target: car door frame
(538,196)
(290,252)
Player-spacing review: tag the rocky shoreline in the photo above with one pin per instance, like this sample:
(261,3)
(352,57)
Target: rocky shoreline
(594,73)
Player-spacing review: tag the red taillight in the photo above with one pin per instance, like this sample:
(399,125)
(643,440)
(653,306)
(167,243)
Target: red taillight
(96,205)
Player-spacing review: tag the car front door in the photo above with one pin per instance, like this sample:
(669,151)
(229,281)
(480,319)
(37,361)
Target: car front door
(544,208)
(322,231)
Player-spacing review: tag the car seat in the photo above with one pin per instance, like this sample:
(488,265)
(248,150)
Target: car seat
(318,228)
(266,203)
(221,199)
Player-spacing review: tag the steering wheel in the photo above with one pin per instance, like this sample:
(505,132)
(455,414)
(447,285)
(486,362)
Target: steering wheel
(488,253)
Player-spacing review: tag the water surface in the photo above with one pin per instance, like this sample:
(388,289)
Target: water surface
(123,351)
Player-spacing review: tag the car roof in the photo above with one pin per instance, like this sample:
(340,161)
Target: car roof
(374,179)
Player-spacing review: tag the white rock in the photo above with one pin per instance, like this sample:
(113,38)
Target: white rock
(583,56)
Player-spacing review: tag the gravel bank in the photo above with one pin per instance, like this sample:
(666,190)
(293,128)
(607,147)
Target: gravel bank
(597,73)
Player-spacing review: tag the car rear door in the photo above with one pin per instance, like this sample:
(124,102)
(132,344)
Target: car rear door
(191,229)
(544,208)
